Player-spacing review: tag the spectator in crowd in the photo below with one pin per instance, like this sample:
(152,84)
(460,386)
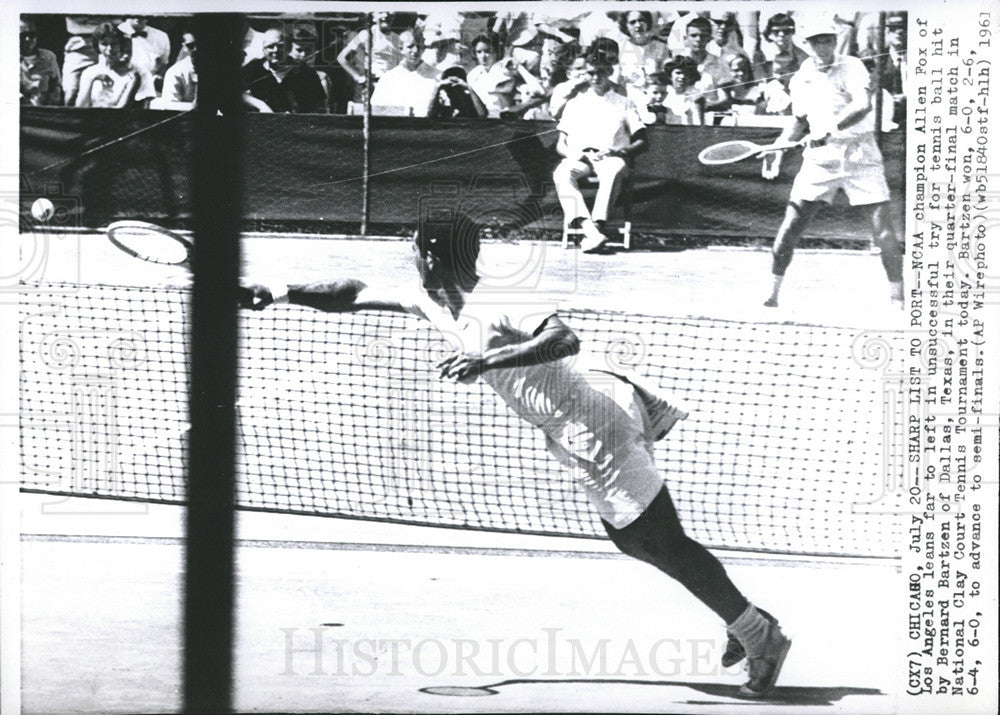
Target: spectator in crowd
(79,53)
(599,132)
(492,79)
(280,83)
(598,24)
(150,47)
(557,62)
(727,38)
(575,83)
(454,98)
(684,102)
(40,81)
(412,84)
(775,97)
(641,52)
(385,52)
(443,38)
(778,36)
(652,109)
(114,81)
(713,71)
(744,94)
(894,77)
(180,82)
(302,51)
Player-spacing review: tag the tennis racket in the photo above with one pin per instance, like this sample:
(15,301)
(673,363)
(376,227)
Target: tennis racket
(151,243)
(733,151)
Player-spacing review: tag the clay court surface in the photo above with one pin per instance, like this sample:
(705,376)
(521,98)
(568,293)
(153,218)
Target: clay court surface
(346,615)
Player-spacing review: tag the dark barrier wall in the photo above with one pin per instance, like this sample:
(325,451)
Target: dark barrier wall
(304,173)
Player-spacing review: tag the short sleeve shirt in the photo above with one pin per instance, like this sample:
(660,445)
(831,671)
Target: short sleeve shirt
(820,94)
(600,122)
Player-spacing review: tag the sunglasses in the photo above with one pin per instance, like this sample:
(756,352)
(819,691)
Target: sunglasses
(783,31)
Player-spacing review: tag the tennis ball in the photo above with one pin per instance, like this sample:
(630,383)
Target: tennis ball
(42,209)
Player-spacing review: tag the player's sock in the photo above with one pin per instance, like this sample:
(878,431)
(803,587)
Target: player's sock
(772,302)
(766,647)
(734,649)
(896,292)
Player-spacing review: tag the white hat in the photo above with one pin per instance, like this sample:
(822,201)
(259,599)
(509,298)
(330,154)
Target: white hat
(818,26)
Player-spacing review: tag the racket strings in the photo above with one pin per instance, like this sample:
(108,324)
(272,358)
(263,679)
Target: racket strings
(729,151)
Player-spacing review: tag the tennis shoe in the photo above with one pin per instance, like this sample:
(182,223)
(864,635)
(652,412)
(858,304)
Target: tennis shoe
(765,666)
(735,652)
(593,240)
(771,303)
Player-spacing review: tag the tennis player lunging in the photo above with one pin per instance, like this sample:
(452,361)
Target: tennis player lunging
(831,100)
(606,439)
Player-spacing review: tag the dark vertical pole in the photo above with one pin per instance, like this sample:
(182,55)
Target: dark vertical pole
(217,188)
(366,132)
(877,83)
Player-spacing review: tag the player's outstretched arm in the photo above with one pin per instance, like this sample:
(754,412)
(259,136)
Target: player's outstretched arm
(553,341)
(338,296)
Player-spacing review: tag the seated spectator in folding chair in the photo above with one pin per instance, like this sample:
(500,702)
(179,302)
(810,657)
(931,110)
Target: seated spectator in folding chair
(283,85)
(412,84)
(684,100)
(150,47)
(454,98)
(114,81)
(41,84)
(599,133)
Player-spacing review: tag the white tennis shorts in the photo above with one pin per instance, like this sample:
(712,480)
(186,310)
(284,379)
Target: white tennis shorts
(854,165)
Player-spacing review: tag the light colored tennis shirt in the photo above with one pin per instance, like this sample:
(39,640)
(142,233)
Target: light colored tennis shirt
(820,94)
(595,420)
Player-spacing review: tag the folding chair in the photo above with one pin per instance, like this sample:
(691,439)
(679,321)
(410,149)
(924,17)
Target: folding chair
(624,202)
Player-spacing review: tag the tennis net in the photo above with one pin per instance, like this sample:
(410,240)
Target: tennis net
(344,415)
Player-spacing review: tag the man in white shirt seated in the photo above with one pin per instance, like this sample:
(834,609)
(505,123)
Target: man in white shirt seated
(714,72)
(600,130)
(412,84)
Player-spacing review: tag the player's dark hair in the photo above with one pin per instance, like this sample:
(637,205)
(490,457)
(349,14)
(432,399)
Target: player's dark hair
(454,245)
(781,19)
(107,32)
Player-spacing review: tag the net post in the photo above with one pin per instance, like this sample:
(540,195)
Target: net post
(366,129)
(216,209)
(879,69)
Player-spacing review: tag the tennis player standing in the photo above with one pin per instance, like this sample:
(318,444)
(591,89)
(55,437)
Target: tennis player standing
(832,103)
(606,439)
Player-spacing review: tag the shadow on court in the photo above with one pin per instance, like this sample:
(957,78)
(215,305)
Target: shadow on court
(779,696)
